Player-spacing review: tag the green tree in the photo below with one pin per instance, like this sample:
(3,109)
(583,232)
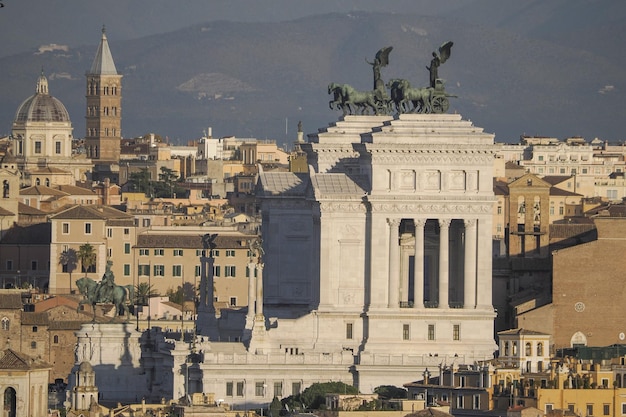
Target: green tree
(314,396)
(186,292)
(387,392)
(140,181)
(275,407)
(143,292)
(87,257)
(167,186)
(69,260)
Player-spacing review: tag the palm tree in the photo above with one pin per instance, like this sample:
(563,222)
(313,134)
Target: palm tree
(68,259)
(87,256)
(144,291)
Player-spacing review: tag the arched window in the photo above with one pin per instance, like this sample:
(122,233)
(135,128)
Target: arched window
(10,402)
(6,323)
(529,350)
(47,182)
(539,349)
(514,348)
(37,181)
(506,348)
(55,339)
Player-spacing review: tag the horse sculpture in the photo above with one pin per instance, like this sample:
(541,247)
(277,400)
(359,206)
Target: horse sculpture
(118,294)
(403,96)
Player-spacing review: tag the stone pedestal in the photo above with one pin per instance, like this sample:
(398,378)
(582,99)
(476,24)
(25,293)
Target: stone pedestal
(114,352)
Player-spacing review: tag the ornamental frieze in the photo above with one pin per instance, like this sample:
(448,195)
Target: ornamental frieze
(432,208)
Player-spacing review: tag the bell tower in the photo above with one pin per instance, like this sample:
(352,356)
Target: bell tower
(104,110)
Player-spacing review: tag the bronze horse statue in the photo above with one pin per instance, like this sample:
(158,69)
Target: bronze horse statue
(118,294)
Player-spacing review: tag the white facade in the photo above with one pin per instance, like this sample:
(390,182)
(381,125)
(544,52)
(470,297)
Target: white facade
(335,296)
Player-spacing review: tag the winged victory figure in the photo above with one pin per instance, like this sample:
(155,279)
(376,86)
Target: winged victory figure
(438,59)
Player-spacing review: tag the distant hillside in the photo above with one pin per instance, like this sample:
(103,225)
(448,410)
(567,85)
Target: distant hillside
(257,79)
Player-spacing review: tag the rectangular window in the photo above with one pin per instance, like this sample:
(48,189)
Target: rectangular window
(431,332)
(215,253)
(216,270)
(461,381)
(143,270)
(348,330)
(259,389)
(87,228)
(229,271)
(145,222)
(229,389)
(476,402)
(295,388)
(65,228)
(159,270)
(606,409)
(37,147)
(623,408)
(57,147)
(158,252)
(35,329)
(33,265)
(240,389)
(456,332)
(9,265)
(278,389)
(126,231)
(406,334)
(178,252)
(109,232)
(144,252)
(589,409)
(197,270)
(200,252)
(126,270)
(33,345)
(127,248)
(230,253)
(459,401)
(561,210)
(177,270)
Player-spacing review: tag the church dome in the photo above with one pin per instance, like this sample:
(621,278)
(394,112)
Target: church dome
(42,107)
(85,367)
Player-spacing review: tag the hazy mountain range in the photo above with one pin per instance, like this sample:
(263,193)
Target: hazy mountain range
(541,68)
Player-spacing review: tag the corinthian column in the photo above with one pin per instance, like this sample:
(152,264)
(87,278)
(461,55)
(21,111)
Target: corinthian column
(444,267)
(418,264)
(469,285)
(394,263)
(259,290)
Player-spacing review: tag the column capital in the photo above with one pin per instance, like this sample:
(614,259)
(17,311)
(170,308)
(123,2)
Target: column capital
(393,222)
(445,222)
(469,222)
(419,222)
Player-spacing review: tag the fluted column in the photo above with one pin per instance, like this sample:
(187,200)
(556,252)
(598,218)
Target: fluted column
(469,285)
(418,264)
(444,267)
(394,263)
(251,291)
(259,290)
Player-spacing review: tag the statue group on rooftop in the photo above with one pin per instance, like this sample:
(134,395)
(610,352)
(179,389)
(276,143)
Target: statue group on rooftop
(402,97)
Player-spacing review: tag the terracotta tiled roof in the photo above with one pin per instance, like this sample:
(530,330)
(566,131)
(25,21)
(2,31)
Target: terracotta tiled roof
(563,193)
(94,212)
(36,234)
(556,179)
(5,212)
(39,319)
(28,210)
(522,332)
(11,301)
(10,359)
(191,242)
(41,190)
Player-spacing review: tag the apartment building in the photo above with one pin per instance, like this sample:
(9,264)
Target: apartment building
(169,257)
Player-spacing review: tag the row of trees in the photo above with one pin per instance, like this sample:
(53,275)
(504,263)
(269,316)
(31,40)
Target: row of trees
(167,186)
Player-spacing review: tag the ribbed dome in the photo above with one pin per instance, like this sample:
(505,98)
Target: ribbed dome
(42,107)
